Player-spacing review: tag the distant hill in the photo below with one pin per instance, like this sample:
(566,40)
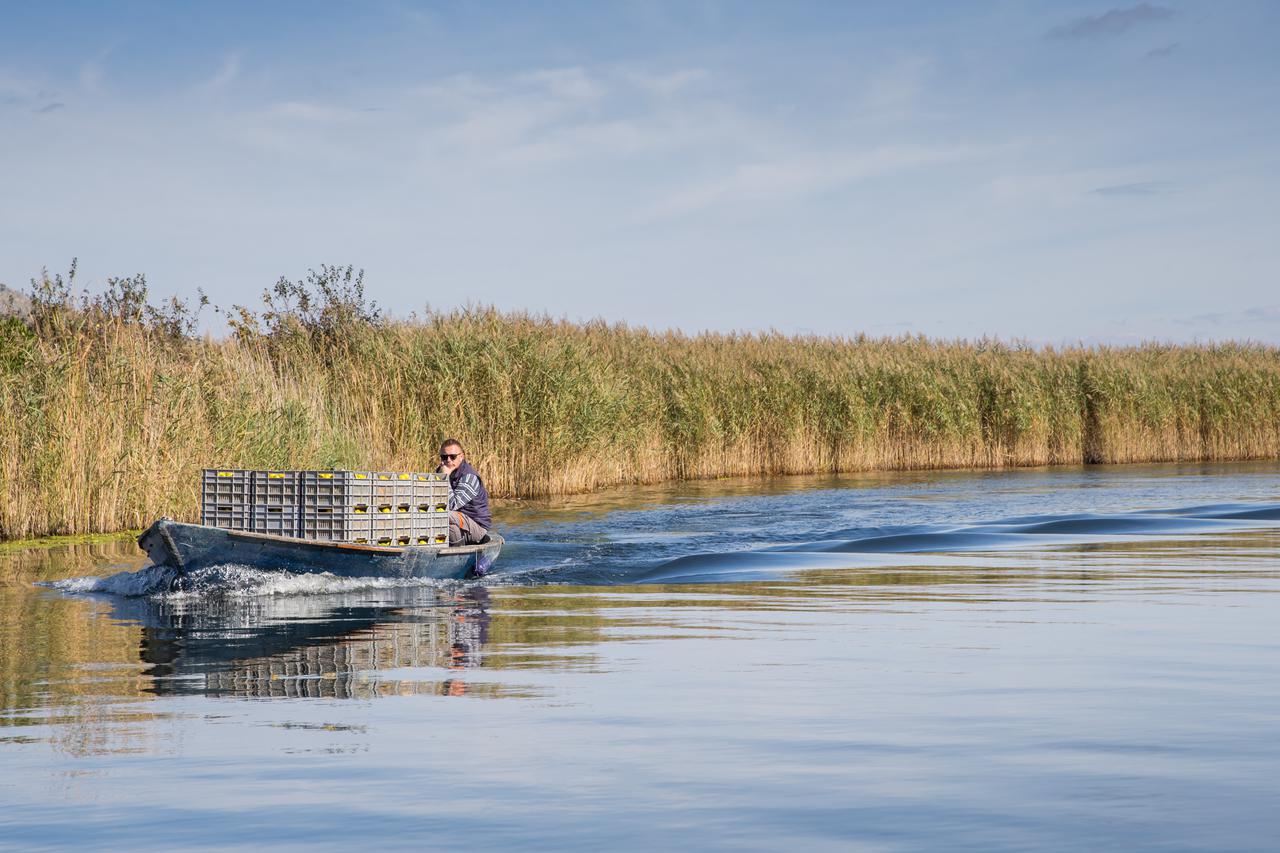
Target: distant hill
(13,302)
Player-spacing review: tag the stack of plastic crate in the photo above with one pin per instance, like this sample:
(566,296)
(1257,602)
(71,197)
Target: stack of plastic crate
(392,515)
(226,498)
(380,507)
(276,502)
(337,506)
(430,502)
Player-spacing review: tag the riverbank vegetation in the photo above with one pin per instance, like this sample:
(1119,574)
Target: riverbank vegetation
(109,405)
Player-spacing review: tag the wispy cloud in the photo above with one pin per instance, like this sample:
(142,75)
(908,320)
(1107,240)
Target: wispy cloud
(302,129)
(1211,318)
(534,117)
(805,174)
(24,94)
(1137,188)
(896,90)
(305,111)
(551,117)
(496,112)
(92,73)
(665,83)
(416,15)
(14,90)
(1259,315)
(1110,23)
(225,75)
(1263,314)
(565,114)
(1161,52)
(570,84)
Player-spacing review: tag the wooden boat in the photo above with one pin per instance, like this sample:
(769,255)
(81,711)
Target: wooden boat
(191,547)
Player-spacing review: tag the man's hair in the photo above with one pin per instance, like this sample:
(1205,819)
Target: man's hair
(451,442)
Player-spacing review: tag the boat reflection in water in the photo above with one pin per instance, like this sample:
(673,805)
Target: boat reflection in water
(357,646)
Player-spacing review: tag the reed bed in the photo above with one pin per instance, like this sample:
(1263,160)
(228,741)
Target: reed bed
(107,413)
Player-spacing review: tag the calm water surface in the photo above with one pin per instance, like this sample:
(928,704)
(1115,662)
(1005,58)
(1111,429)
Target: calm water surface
(1032,659)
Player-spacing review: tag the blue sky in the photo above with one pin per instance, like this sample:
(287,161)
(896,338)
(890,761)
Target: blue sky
(1050,171)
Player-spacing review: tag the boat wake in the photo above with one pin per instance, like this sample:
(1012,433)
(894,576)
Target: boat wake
(859,546)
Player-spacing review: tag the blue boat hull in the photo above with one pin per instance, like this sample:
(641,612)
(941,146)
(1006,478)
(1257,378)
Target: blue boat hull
(191,547)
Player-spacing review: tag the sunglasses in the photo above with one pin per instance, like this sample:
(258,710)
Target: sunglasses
(449,457)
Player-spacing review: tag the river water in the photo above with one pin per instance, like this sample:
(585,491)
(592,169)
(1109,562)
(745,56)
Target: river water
(1058,658)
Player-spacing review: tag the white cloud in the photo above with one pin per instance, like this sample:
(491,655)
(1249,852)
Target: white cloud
(897,89)
(666,83)
(1263,314)
(304,111)
(15,89)
(1071,187)
(796,175)
(568,84)
(554,115)
(225,75)
(92,71)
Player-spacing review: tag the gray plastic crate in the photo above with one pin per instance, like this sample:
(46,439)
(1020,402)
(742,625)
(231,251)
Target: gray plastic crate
(430,492)
(275,520)
(227,519)
(346,491)
(431,529)
(276,488)
(225,498)
(390,522)
(391,494)
(358,491)
(433,508)
(437,537)
(337,505)
(323,489)
(392,487)
(335,525)
(225,487)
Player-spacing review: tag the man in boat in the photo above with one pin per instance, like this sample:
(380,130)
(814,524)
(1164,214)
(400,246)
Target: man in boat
(469,519)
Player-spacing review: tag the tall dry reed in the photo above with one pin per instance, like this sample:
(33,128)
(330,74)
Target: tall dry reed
(107,413)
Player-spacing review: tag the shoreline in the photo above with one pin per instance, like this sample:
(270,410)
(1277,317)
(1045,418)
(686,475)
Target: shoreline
(8,546)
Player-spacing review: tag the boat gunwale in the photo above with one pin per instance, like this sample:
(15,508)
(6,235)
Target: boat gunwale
(447,550)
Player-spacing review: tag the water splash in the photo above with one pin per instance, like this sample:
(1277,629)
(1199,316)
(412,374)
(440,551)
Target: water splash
(144,582)
(228,581)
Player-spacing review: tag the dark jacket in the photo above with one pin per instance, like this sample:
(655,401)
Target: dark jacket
(468,496)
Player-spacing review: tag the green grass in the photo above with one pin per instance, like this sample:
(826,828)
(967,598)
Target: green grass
(12,546)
